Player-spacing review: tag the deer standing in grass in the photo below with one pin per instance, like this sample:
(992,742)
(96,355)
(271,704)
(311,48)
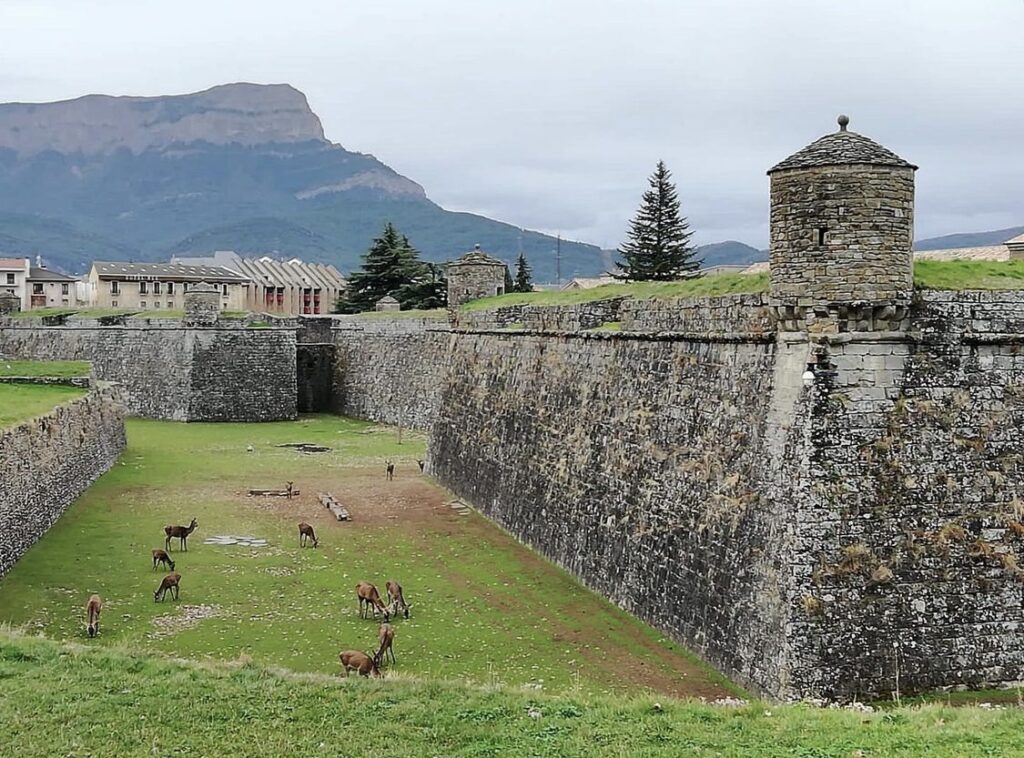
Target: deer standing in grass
(306,534)
(397,598)
(168,584)
(353,660)
(386,635)
(181,532)
(161,556)
(391,470)
(92,615)
(369,600)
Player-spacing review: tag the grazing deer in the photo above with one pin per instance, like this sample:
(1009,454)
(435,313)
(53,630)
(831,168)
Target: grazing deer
(369,600)
(161,556)
(391,470)
(353,660)
(397,598)
(181,532)
(386,635)
(168,584)
(92,615)
(306,533)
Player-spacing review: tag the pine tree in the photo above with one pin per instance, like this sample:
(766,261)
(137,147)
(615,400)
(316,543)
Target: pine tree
(390,265)
(509,286)
(658,248)
(524,277)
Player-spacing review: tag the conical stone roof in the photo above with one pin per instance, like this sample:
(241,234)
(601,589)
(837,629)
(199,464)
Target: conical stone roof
(842,148)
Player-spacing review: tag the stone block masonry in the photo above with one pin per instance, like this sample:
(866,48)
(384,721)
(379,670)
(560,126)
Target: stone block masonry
(48,462)
(166,370)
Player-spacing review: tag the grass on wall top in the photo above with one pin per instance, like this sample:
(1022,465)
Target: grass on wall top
(20,402)
(44,368)
(969,275)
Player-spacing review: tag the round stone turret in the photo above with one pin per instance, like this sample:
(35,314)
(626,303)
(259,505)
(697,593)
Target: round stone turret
(476,274)
(9,303)
(842,225)
(202,305)
(388,303)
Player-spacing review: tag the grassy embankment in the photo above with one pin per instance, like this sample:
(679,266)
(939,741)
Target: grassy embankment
(87,699)
(59,369)
(20,402)
(485,608)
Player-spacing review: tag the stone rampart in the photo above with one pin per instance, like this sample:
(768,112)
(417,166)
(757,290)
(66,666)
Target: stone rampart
(390,370)
(49,461)
(168,370)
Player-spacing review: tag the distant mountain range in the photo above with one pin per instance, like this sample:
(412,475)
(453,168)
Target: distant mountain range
(238,167)
(970,239)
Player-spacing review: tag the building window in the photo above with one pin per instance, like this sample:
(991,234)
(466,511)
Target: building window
(142,303)
(156,288)
(10,278)
(37,288)
(170,305)
(170,288)
(113,303)
(64,301)
(156,304)
(143,288)
(64,289)
(115,288)
(822,231)
(225,290)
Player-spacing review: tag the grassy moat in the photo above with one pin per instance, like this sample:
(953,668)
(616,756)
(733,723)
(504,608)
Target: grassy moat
(485,608)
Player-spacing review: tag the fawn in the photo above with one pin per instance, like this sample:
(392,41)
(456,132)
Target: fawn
(160,556)
(168,584)
(92,615)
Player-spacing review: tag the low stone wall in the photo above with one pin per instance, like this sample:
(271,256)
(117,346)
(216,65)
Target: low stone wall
(170,371)
(390,370)
(50,461)
(710,315)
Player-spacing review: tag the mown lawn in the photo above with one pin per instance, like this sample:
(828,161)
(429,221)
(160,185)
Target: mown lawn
(20,402)
(44,368)
(485,608)
(99,700)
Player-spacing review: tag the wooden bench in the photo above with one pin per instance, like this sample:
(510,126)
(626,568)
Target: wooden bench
(330,502)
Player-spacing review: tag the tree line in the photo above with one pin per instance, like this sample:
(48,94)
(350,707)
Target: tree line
(657,248)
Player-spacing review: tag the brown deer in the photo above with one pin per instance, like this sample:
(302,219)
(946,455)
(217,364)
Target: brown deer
(421,465)
(92,615)
(160,556)
(353,660)
(386,635)
(391,470)
(369,600)
(306,533)
(168,584)
(397,598)
(181,532)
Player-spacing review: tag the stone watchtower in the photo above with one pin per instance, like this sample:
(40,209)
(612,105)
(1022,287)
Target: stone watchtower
(202,305)
(474,275)
(842,229)
(9,303)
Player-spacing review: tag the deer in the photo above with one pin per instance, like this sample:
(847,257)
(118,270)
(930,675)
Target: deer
(181,532)
(421,465)
(369,600)
(306,533)
(92,615)
(391,470)
(386,635)
(353,660)
(168,584)
(397,598)
(161,556)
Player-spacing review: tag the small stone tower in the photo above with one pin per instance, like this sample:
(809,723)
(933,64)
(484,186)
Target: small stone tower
(474,275)
(388,303)
(202,305)
(842,229)
(9,303)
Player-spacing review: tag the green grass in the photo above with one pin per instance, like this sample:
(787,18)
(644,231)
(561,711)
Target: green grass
(19,402)
(969,275)
(705,286)
(485,608)
(44,368)
(88,699)
(433,314)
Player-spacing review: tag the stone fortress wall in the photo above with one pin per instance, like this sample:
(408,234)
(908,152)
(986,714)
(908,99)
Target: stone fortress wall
(49,461)
(229,371)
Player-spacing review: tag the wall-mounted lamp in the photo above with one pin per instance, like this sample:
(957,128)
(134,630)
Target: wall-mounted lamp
(808,375)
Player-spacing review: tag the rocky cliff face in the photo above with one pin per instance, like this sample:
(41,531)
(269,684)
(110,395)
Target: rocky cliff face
(245,114)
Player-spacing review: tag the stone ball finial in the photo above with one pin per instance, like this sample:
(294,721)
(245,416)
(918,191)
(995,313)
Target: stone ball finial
(844,121)
(476,246)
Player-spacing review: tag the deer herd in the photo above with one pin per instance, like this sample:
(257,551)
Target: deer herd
(371,605)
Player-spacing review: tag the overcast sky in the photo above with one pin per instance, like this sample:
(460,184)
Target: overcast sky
(550,114)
